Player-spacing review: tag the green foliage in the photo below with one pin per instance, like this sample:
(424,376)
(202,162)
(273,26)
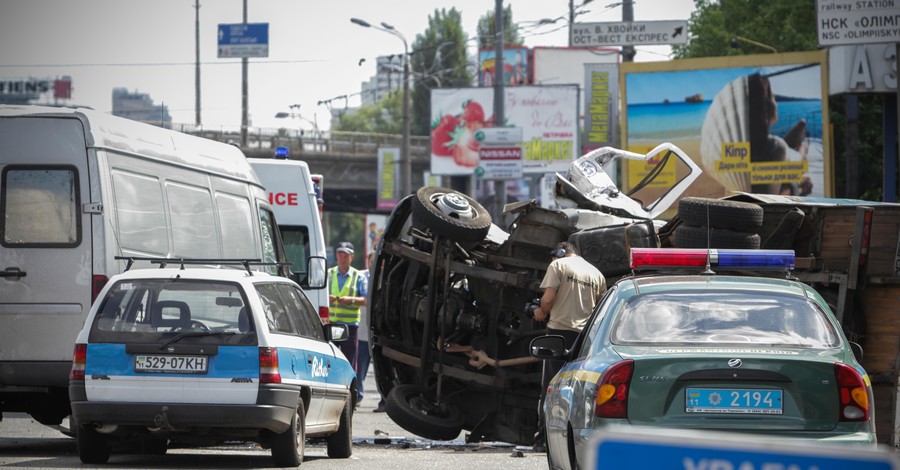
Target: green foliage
(349,227)
(487,30)
(439,59)
(384,117)
(786,25)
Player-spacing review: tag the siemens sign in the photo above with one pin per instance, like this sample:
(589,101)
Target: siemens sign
(25,87)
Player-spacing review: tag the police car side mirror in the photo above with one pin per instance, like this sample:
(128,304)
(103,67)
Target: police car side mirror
(336,331)
(548,347)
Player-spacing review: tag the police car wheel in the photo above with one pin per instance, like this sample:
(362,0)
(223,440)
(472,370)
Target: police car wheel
(340,443)
(289,446)
(92,446)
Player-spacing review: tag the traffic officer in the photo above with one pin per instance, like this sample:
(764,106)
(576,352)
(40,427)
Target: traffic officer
(347,292)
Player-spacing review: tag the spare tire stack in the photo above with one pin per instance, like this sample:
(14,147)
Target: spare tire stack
(717,223)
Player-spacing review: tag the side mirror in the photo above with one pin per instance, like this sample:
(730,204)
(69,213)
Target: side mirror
(548,347)
(336,332)
(316,273)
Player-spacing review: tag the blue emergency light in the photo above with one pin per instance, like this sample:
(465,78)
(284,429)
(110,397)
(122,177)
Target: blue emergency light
(657,258)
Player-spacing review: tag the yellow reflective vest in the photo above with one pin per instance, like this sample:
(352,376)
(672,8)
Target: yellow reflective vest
(340,312)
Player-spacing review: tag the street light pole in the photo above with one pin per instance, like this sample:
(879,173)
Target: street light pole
(405,164)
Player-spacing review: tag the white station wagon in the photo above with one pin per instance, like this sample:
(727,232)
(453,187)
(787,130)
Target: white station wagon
(205,355)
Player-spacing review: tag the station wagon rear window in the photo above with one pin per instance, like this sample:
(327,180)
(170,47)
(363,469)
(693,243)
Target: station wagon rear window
(710,318)
(40,206)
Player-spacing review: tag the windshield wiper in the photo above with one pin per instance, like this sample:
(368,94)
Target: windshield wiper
(190,334)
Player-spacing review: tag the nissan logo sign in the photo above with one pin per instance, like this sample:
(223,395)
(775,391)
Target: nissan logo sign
(735,363)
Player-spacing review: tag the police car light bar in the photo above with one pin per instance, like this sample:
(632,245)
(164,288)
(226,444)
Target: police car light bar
(656,258)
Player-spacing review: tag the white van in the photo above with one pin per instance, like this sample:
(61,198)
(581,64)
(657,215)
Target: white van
(292,195)
(79,188)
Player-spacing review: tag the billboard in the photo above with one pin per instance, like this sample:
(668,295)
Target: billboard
(388,167)
(565,65)
(601,110)
(753,123)
(515,66)
(548,116)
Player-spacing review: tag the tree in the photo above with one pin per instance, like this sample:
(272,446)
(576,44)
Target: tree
(385,116)
(439,59)
(730,27)
(487,30)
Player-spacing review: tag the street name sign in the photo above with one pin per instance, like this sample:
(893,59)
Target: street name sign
(243,40)
(842,22)
(632,33)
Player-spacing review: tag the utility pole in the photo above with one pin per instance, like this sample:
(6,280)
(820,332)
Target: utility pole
(197,63)
(628,17)
(499,96)
(244,92)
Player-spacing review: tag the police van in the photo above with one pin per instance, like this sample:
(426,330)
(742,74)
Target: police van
(293,196)
(79,187)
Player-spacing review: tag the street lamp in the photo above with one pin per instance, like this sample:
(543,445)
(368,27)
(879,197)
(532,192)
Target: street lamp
(735,44)
(295,113)
(405,165)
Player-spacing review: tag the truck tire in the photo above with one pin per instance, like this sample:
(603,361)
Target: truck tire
(782,238)
(415,413)
(720,213)
(687,236)
(451,214)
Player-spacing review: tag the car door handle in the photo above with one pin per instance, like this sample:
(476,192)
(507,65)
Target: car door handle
(13,272)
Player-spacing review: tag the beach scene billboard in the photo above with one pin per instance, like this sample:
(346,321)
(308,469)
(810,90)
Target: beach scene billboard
(753,123)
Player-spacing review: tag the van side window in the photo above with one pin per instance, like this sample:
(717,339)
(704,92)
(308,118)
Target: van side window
(296,248)
(236,220)
(267,228)
(140,213)
(40,206)
(193,223)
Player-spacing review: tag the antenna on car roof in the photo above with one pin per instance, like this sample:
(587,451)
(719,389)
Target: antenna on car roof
(708,271)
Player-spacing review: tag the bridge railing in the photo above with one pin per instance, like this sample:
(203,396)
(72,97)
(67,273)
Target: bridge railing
(330,142)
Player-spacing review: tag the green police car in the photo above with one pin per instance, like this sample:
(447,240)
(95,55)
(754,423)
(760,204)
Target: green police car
(731,353)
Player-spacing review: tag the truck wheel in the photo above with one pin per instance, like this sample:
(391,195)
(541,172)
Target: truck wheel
(450,214)
(289,446)
(720,213)
(340,443)
(419,415)
(92,446)
(687,236)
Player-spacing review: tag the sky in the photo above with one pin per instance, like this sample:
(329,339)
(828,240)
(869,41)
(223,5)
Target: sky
(315,52)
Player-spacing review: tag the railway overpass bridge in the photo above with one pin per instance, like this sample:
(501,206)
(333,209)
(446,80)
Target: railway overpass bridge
(348,161)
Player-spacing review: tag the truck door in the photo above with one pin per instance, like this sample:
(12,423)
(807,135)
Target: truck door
(45,259)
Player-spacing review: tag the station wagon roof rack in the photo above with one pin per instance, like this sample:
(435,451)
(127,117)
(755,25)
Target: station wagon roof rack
(163,262)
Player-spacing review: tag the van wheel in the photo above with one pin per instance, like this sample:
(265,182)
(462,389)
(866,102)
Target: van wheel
(450,214)
(289,446)
(720,213)
(340,443)
(419,415)
(92,446)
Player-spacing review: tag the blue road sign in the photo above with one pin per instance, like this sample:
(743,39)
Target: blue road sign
(243,40)
(695,450)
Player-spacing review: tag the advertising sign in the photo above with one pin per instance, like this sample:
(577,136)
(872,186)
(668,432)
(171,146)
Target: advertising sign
(547,115)
(374,230)
(857,22)
(388,166)
(755,125)
(500,163)
(515,66)
(601,108)
(243,40)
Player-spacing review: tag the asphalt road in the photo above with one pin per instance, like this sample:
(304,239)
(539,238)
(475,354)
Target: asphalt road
(379,444)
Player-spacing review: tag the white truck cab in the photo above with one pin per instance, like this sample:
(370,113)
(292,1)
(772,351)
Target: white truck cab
(292,194)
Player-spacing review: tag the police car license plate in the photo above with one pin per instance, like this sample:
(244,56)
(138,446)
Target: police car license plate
(170,364)
(736,401)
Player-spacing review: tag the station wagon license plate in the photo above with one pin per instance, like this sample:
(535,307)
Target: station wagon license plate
(736,401)
(170,364)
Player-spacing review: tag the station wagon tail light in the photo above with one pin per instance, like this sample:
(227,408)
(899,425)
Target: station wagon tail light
(853,394)
(268,366)
(612,391)
(79,359)
(97,283)
(656,258)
